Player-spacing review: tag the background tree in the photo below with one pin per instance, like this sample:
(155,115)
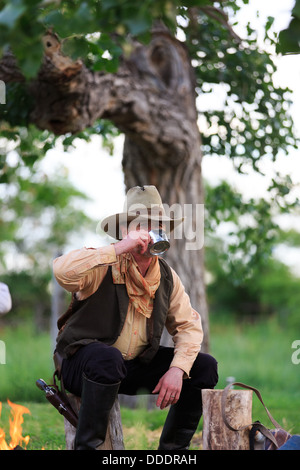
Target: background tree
(123,62)
(246,280)
(39,213)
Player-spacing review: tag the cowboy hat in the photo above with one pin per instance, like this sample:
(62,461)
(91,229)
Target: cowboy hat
(142,203)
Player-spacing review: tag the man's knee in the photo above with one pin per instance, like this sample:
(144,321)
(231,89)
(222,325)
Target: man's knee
(106,365)
(204,372)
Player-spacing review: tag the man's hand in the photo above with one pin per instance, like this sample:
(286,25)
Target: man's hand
(169,387)
(133,241)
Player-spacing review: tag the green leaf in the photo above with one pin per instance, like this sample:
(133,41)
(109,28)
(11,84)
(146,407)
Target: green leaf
(61,26)
(10,14)
(69,22)
(138,25)
(30,63)
(195,3)
(296,9)
(289,39)
(107,4)
(75,47)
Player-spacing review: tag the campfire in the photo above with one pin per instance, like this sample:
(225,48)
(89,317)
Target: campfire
(17,441)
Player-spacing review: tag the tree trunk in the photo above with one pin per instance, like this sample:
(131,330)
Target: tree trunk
(238,409)
(165,150)
(180,185)
(152,100)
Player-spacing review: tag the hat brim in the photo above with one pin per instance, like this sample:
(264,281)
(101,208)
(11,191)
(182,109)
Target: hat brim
(111,224)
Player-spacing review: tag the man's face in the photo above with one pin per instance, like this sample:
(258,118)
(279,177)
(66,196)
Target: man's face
(146,225)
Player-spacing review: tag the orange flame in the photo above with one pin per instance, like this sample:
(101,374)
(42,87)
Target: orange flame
(15,429)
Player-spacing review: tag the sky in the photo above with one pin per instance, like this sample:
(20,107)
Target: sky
(100,175)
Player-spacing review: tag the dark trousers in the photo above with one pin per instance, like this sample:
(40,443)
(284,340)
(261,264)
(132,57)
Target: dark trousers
(105,364)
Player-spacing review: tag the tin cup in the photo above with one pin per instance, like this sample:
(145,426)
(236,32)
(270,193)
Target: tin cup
(159,242)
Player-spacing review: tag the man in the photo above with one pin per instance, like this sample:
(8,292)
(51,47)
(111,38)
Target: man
(123,297)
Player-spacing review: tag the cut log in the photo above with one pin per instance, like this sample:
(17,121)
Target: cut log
(114,435)
(238,410)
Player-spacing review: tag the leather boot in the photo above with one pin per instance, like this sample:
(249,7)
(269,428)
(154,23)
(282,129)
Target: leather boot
(182,421)
(96,403)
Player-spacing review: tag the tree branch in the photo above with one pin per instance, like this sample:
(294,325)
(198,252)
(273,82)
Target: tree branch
(216,14)
(151,98)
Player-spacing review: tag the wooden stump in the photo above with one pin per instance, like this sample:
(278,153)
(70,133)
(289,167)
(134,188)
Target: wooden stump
(114,435)
(238,410)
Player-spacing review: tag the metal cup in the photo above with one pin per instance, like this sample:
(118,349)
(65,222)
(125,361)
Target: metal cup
(159,242)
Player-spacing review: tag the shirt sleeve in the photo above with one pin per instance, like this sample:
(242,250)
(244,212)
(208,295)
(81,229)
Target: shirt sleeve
(185,326)
(5,299)
(76,271)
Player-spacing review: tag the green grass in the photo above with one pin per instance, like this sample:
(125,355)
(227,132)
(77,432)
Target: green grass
(260,355)
(28,358)
(256,354)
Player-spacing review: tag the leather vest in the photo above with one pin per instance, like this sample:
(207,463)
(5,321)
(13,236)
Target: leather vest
(101,316)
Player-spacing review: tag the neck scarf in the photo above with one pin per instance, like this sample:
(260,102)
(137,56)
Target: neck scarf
(141,290)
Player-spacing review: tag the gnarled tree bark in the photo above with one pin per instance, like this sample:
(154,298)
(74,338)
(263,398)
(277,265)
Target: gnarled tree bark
(151,99)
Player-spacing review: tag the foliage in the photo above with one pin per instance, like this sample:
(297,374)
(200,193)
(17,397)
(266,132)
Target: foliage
(247,279)
(36,211)
(289,38)
(272,290)
(39,212)
(252,121)
(31,296)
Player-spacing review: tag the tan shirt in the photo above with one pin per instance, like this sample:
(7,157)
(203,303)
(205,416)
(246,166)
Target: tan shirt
(81,271)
